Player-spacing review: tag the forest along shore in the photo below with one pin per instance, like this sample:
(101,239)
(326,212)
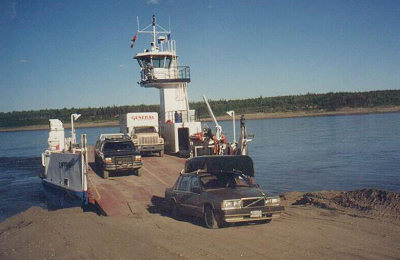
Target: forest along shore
(362,224)
(341,111)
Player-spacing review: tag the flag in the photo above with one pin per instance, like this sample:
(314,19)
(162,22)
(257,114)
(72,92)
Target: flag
(230,113)
(133,40)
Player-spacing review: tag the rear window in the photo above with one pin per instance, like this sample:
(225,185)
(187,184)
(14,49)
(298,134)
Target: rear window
(118,146)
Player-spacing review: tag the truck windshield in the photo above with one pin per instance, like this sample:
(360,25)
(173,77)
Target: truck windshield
(118,146)
(145,129)
(226,180)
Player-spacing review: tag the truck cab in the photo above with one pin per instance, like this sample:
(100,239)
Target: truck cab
(143,129)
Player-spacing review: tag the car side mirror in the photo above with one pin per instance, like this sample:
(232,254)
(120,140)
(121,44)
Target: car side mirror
(196,190)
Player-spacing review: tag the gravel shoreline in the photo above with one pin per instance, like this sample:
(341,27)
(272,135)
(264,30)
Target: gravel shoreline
(361,224)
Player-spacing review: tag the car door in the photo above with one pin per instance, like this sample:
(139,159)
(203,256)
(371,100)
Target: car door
(194,203)
(182,194)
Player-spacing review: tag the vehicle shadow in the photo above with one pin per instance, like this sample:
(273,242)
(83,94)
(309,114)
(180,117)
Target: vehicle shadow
(98,172)
(95,169)
(160,206)
(149,154)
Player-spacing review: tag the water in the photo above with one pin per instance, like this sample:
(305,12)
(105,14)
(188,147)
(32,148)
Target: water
(303,154)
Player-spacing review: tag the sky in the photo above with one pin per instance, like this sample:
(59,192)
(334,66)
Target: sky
(56,54)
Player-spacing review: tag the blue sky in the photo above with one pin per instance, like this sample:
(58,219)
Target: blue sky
(56,54)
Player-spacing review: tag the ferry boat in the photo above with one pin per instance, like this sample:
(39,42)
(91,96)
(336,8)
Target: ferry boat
(65,164)
(179,125)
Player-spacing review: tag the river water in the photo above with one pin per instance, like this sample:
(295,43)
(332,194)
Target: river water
(302,154)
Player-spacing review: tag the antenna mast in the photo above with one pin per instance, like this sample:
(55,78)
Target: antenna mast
(154,32)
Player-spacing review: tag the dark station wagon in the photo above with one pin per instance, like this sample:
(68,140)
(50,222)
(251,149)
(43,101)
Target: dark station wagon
(220,189)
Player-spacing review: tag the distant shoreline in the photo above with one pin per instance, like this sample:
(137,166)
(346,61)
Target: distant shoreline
(341,111)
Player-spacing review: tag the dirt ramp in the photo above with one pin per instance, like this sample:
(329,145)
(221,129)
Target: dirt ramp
(372,202)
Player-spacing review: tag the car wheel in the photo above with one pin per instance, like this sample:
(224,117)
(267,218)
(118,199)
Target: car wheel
(161,153)
(138,172)
(174,211)
(210,220)
(105,174)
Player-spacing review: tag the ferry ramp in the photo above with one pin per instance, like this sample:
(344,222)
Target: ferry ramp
(128,194)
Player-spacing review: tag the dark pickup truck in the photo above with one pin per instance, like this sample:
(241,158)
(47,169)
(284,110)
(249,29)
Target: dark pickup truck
(220,189)
(117,153)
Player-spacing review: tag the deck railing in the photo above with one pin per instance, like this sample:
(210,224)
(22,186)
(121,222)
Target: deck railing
(179,73)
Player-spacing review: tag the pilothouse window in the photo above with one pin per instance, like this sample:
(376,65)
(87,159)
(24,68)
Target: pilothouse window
(144,62)
(158,62)
(168,62)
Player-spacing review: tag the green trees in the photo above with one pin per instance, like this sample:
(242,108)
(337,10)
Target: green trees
(309,102)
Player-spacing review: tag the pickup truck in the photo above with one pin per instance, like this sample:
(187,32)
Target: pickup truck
(117,153)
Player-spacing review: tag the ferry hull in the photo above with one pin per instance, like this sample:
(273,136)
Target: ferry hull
(60,197)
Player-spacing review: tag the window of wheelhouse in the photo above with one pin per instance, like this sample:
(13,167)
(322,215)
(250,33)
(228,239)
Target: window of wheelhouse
(144,61)
(161,61)
(158,61)
(168,61)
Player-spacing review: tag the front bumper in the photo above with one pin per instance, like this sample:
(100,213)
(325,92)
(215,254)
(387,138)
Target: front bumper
(251,214)
(150,148)
(123,166)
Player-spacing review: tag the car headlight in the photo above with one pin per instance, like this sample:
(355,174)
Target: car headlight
(231,204)
(138,158)
(272,201)
(108,160)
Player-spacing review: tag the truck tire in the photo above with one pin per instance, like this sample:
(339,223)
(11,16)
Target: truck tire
(106,174)
(161,153)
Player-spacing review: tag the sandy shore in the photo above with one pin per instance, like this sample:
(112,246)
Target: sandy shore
(342,111)
(320,225)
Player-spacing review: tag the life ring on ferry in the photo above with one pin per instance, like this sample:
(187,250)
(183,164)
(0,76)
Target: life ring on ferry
(223,139)
(216,148)
(199,136)
(216,145)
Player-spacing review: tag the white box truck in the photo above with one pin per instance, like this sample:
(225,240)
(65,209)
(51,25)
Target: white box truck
(143,129)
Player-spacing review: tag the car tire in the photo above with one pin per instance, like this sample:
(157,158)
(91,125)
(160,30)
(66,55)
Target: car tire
(138,172)
(210,220)
(174,211)
(161,153)
(106,174)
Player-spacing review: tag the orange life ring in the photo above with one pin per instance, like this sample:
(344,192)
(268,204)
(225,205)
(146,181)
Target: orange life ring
(223,139)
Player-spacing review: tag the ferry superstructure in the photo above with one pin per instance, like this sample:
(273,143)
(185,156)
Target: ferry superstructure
(159,68)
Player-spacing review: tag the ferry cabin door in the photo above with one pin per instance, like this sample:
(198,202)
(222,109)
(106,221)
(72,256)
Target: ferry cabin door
(183,139)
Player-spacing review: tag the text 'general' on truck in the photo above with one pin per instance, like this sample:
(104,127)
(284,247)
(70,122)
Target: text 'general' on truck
(143,129)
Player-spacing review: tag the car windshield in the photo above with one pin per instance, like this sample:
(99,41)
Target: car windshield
(226,180)
(118,146)
(145,129)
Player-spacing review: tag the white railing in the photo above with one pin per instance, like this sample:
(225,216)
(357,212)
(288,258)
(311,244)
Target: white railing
(150,74)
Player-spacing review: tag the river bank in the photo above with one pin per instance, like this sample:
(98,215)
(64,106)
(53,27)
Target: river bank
(342,111)
(360,224)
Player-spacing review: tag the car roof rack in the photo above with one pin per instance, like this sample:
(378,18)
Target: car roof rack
(221,163)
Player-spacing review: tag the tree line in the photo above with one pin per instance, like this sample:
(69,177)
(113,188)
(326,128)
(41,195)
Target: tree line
(309,102)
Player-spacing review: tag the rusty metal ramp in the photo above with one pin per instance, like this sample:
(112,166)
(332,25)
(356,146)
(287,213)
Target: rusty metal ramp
(128,194)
